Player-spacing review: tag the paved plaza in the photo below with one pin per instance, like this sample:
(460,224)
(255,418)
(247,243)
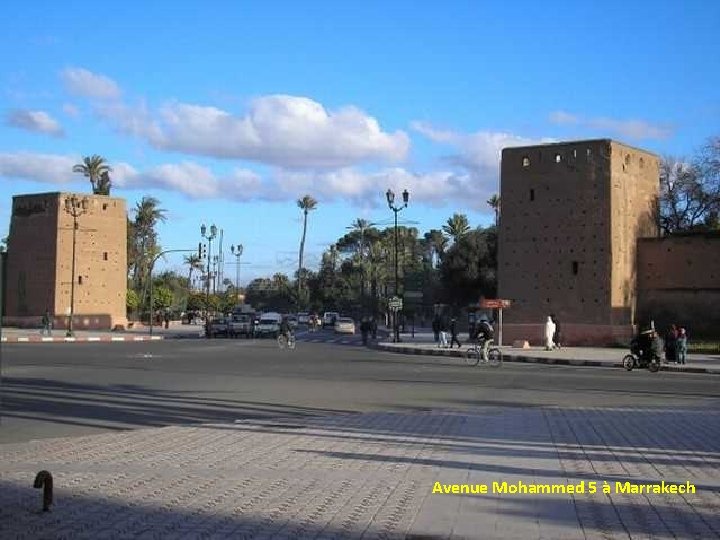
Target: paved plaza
(372,476)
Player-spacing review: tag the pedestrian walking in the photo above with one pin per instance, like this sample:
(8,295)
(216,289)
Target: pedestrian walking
(670,341)
(549,333)
(47,324)
(436,323)
(453,333)
(556,335)
(364,329)
(443,335)
(681,346)
(373,327)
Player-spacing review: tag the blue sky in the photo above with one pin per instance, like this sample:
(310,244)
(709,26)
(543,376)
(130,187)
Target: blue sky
(228,112)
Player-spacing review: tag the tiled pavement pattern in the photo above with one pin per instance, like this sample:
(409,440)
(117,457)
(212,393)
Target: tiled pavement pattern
(371,476)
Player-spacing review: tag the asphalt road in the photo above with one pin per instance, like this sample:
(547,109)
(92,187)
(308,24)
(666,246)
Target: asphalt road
(54,390)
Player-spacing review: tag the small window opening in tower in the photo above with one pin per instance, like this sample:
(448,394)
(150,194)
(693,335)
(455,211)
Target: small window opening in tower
(575,267)
(104,206)
(558,158)
(79,280)
(105,255)
(526,161)
(532,194)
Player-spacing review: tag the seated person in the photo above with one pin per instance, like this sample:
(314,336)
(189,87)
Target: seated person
(646,345)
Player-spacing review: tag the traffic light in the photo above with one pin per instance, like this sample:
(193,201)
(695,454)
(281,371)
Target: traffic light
(202,250)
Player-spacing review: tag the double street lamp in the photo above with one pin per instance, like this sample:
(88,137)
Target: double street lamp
(76,207)
(396,209)
(209,237)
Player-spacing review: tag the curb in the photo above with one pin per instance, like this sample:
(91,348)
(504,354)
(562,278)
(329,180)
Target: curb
(42,339)
(522,359)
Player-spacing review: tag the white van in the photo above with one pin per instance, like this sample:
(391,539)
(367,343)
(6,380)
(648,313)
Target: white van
(269,325)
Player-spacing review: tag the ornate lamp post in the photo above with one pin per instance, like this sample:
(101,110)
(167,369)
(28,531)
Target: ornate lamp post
(76,207)
(396,209)
(237,251)
(210,237)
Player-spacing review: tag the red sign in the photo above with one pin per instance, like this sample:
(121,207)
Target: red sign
(494,303)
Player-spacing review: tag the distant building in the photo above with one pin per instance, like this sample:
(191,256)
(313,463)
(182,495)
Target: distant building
(39,261)
(572,214)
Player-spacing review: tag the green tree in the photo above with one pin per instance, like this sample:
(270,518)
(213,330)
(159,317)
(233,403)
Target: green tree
(306,204)
(132,301)
(147,217)
(162,298)
(456,226)
(94,167)
(469,267)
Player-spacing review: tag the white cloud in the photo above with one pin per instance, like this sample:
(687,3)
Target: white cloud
(71,110)
(281,130)
(632,129)
(82,82)
(562,117)
(36,121)
(477,152)
(362,189)
(45,168)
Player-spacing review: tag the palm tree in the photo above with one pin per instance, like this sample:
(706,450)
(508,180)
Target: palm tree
(194,262)
(306,204)
(361,226)
(147,216)
(494,203)
(456,226)
(93,167)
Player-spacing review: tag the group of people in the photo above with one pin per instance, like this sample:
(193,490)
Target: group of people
(368,326)
(442,327)
(552,333)
(676,344)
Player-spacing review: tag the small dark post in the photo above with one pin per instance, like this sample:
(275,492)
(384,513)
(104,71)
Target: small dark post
(44,480)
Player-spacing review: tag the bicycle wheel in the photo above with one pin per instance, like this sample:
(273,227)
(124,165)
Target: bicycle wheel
(281,341)
(291,342)
(494,357)
(472,356)
(628,362)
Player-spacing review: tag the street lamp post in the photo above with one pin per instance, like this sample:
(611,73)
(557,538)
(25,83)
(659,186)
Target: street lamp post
(237,251)
(396,209)
(210,237)
(75,207)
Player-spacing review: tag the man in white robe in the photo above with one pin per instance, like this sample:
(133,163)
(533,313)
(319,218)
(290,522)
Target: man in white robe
(549,332)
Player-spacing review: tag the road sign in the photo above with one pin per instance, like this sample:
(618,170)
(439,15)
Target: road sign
(395,303)
(493,303)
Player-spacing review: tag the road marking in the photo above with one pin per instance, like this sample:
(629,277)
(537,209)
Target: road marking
(117,339)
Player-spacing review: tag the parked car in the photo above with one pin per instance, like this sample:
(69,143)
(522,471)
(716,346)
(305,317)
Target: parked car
(303,318)
(269,325)
(242,324)
(329,318)
(345,325)
(219,327)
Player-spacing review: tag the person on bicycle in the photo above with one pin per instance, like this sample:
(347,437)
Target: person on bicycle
(485,330)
